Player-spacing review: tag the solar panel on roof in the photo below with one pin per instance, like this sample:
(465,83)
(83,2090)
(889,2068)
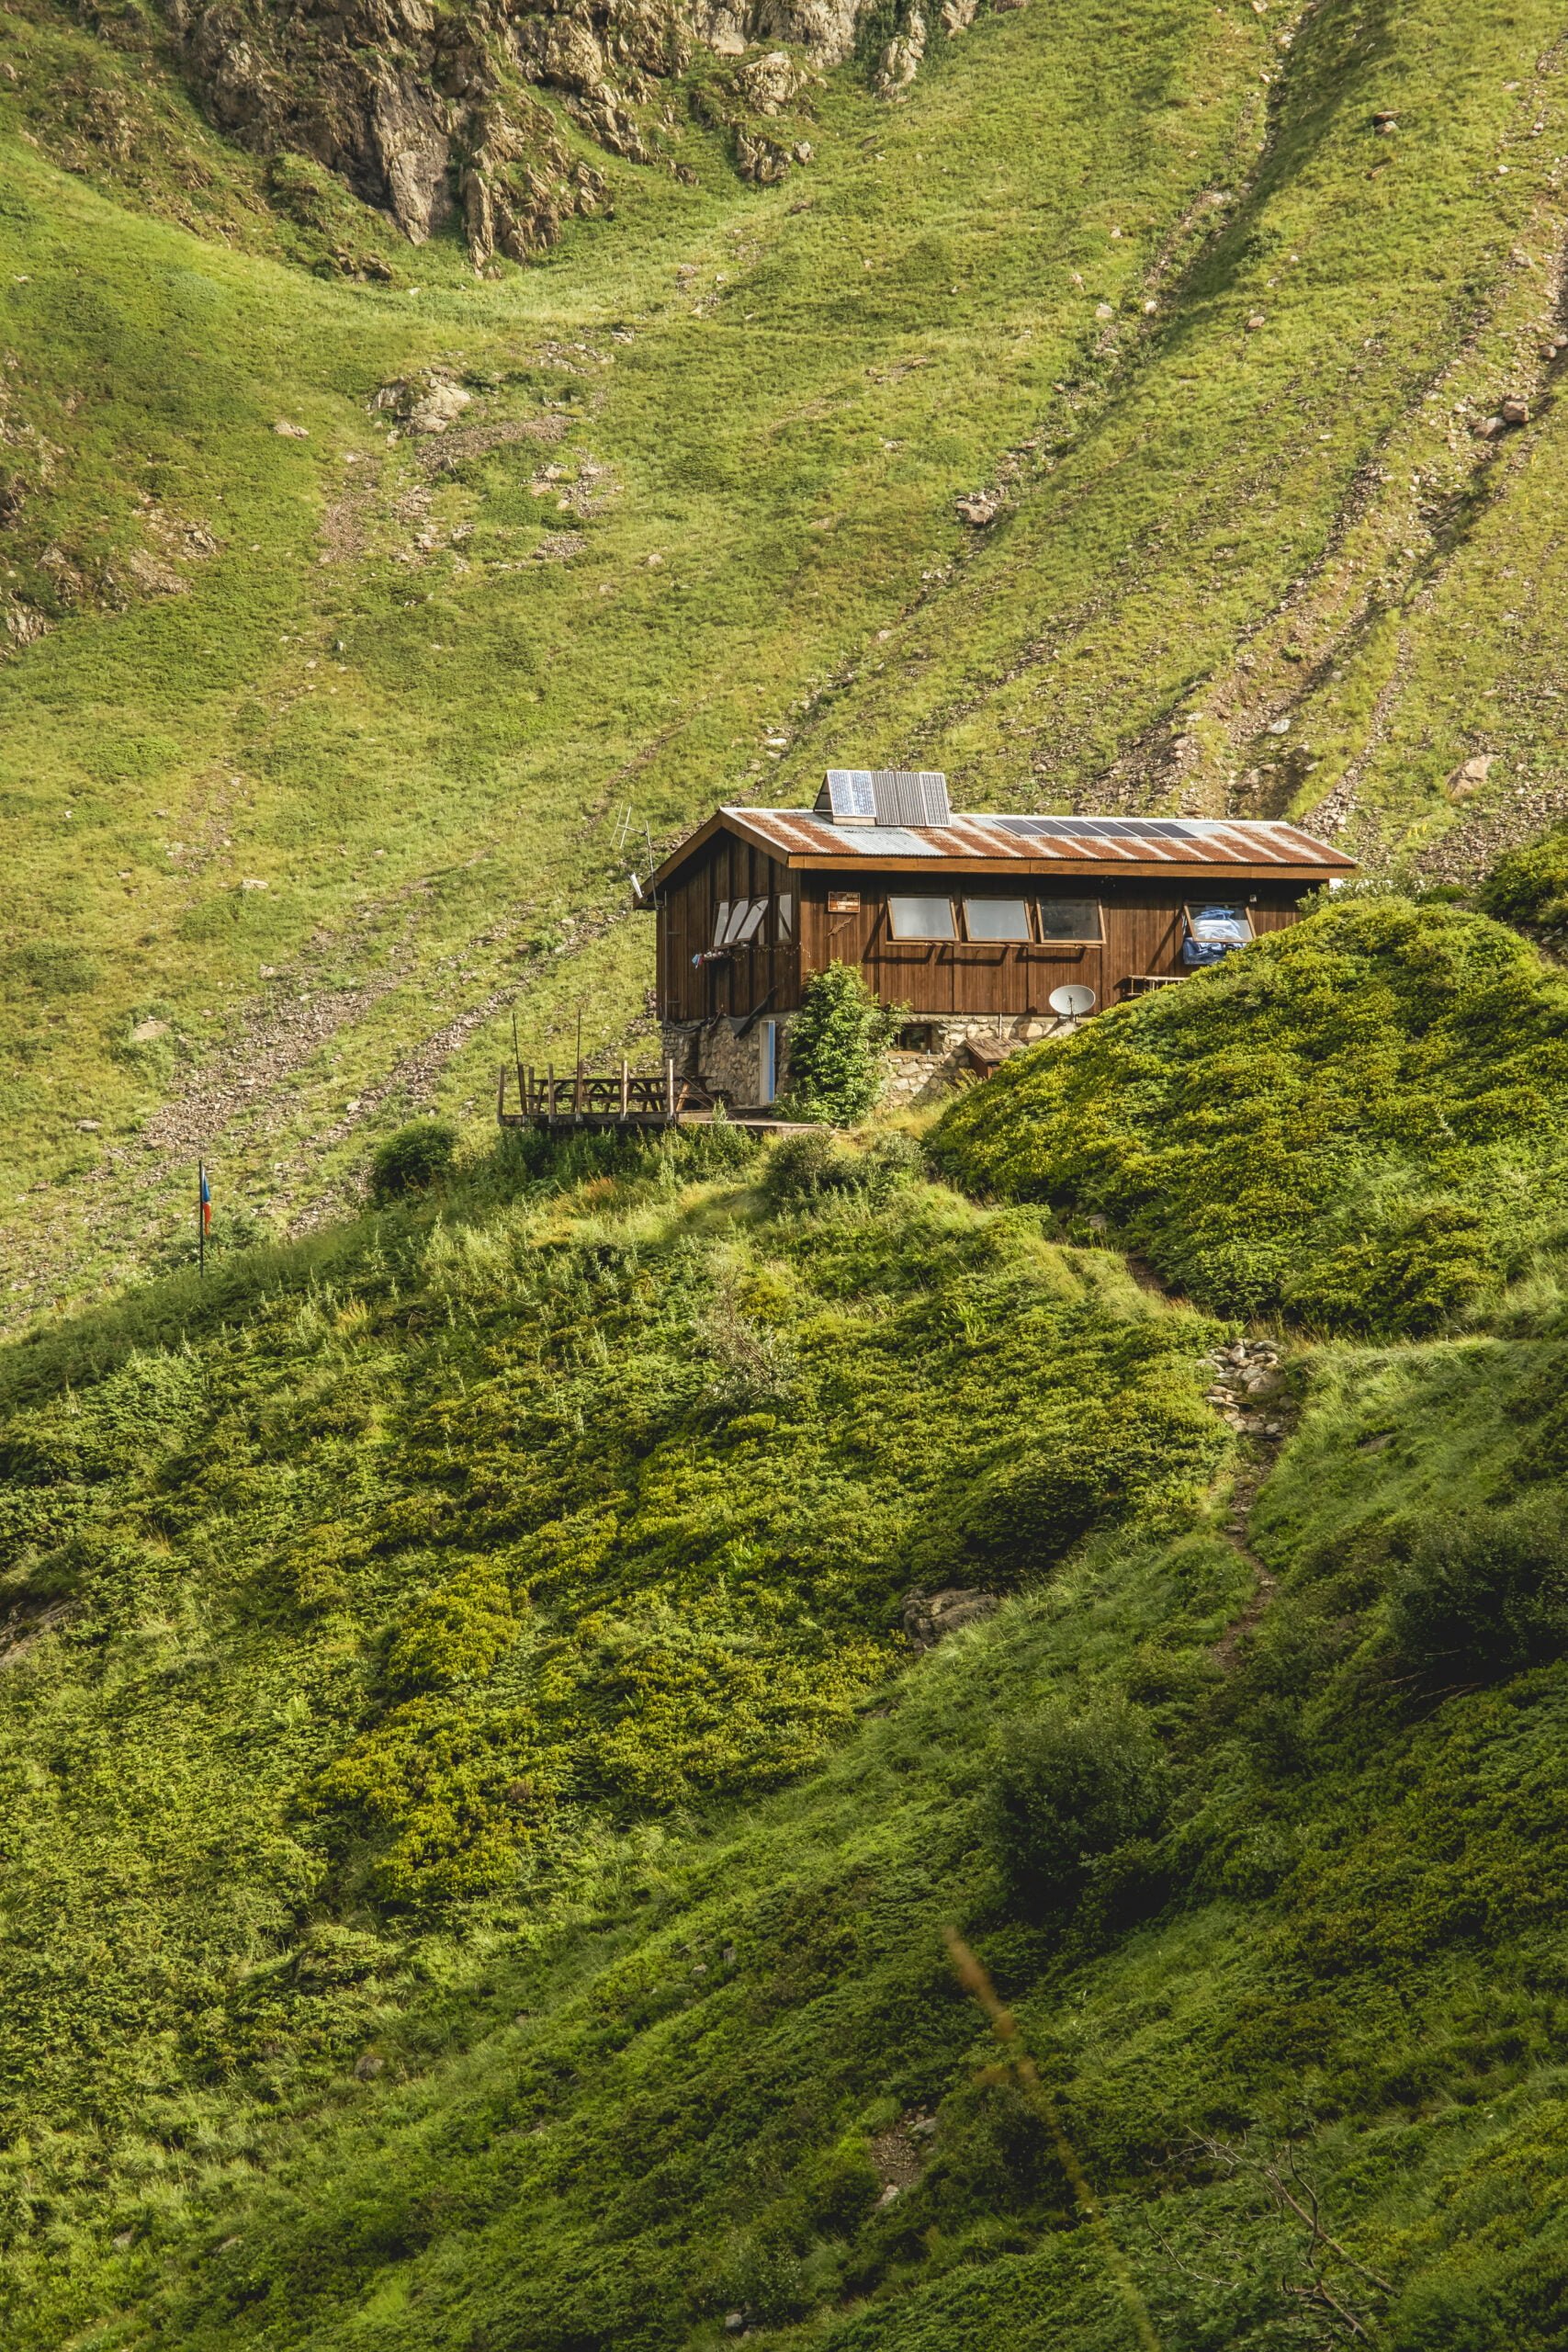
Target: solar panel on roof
(848,797)
(1111,829)
(883,796)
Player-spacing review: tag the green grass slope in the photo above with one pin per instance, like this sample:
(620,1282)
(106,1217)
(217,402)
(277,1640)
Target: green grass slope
(478,1849)
(478,1854)
(1358,1122)
(696,535)
(366,1610)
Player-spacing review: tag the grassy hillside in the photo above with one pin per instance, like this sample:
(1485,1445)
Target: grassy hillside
(478,1846)
(694,534)
(1359,1122)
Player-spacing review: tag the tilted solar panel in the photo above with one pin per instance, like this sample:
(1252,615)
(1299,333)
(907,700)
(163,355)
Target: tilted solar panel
(883,796)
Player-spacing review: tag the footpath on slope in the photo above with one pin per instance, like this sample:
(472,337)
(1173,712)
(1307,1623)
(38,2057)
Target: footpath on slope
(1247,1393)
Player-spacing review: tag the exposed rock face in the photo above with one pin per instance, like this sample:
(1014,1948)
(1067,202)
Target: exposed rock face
(427,113)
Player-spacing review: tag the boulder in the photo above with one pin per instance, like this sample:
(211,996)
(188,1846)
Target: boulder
(929,1618)
(978,508)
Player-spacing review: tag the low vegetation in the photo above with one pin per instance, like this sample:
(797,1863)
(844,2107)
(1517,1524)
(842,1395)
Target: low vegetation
(479,1849)
(1359,1122)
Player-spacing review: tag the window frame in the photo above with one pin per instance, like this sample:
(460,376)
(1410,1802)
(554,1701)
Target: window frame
(1237,906)
(1070,939)
(921,938)
(1023,938)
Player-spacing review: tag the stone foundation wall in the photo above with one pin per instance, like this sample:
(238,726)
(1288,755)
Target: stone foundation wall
(729,1064)
(715,1053)
(923,1077)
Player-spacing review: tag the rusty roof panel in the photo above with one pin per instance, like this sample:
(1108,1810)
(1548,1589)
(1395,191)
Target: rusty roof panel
(1181,842)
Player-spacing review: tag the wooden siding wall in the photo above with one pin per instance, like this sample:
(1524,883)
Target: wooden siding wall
(1143,936)
(1142,922)
(763,975)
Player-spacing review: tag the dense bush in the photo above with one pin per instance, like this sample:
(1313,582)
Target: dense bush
(411,1160)
(1485,1592)
(1530,887)
(838,1044)
(1064,1792)
(805,1168)
(1362,1121)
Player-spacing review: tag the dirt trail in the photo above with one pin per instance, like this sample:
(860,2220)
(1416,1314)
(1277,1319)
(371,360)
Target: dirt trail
(1247,1393)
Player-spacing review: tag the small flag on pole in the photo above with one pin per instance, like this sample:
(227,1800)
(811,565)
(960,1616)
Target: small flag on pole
(204,1212)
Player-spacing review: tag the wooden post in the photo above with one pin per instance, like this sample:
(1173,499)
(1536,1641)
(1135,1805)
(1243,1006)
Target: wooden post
(577,1090)
(550,1090)
(625,1087)
(670,1088)
(501,1095)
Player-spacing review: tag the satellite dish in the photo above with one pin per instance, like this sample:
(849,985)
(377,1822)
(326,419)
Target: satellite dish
(1072,1001)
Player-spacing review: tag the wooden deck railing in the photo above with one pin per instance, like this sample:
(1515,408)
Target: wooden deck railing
(641,1097)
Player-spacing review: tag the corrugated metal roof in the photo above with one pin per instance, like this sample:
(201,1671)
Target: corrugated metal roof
(1101,841)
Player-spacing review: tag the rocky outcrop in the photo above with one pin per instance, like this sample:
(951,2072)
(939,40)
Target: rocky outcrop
(466,111)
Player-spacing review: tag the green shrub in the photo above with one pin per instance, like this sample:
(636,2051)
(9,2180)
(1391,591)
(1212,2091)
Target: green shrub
(837,1045)
(455,1633)
(1485,1593)
(1529,888)
(805,1168)
(802,1169)
(411,1160)
(1064,1792)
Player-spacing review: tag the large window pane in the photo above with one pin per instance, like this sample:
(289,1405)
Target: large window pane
(921,918)
(997,918)
(1069,919)
(786,917)
(721,922)
(751,923)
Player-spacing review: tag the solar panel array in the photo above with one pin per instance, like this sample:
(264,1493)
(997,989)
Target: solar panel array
(1109,829)
(885,797)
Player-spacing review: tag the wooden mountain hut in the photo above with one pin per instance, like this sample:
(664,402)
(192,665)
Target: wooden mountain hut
(993,930)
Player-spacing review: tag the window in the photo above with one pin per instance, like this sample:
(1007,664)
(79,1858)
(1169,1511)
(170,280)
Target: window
(921,918)
(1069,919)
(1214,929)
(916,1037)
(786,920)
(997,918)
(737,921)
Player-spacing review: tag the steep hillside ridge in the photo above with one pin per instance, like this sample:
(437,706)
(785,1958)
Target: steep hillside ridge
(1359,1123)
(497,1541)
(1280,560)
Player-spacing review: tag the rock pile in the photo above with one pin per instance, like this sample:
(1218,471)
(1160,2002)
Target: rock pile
(1247,1382)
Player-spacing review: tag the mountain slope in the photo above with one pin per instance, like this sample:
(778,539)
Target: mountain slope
(479,1847)
(709,450)
(695,534)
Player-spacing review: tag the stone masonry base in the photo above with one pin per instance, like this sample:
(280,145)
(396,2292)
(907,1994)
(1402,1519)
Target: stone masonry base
(732,1066)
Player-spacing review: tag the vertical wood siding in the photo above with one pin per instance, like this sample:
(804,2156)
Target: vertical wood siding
(1142,922)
